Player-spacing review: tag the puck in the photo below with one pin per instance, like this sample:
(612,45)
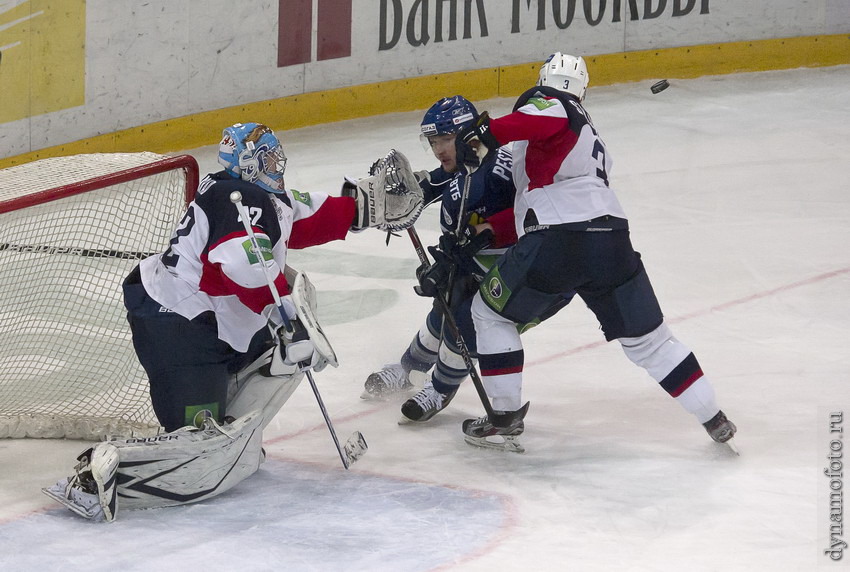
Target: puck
(660,86)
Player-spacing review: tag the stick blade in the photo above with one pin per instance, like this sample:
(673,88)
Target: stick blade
(355,448)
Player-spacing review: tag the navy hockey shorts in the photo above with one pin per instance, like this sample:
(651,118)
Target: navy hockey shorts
(188,366)
(535,275)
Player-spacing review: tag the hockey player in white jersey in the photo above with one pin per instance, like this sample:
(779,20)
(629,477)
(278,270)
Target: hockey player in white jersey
(207,329)
(573,235)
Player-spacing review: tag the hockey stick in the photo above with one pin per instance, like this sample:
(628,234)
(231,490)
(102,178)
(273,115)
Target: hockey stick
(75,251)
(356,446)
(498,419)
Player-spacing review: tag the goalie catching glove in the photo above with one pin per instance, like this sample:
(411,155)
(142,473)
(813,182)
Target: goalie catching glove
(390,198)
(295,351)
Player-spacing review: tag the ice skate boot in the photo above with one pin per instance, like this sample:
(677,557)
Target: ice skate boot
(426,403)
(722,430)
(389,380)
(482,433)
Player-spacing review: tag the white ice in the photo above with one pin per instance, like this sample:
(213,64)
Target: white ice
(738,192)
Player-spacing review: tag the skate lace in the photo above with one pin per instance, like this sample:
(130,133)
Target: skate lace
(392,376)
(428,398)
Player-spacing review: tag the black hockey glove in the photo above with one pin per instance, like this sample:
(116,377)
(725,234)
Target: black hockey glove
(474,143)
(434,279)
(462,250)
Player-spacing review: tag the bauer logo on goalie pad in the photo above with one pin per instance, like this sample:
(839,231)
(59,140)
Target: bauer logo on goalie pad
(373,216)
(157,439)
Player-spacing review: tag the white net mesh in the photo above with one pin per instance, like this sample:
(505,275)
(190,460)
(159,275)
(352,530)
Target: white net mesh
(71,229)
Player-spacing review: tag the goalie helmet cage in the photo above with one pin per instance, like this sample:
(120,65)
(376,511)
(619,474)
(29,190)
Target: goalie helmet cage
(71,229)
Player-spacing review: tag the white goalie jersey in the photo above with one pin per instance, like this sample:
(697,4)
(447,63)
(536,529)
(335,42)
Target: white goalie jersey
(210,265)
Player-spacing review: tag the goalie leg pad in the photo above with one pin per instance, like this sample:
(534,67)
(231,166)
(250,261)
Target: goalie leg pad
(188,465)
(259,391)
(91,492)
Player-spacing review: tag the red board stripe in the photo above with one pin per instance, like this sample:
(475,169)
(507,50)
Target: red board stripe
(334,29)
(294,32)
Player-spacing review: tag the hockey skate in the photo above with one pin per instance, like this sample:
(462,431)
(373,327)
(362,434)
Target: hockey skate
(389,380)
(425,404)
(721,430)
(482,433)
(92,491)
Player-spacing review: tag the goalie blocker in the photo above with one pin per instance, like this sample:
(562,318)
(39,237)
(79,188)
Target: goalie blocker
(390,198)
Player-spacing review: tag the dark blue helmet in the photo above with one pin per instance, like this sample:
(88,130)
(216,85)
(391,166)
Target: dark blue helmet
(448,115)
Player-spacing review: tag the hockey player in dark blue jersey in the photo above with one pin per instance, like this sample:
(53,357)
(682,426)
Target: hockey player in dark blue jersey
(487,214)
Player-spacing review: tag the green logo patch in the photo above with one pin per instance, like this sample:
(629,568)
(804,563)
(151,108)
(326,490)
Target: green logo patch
(265,249)
(302,197)
(541,103)
(195,414)
(494,291)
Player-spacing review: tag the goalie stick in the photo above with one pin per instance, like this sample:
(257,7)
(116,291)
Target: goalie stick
(75,251)
(356,445)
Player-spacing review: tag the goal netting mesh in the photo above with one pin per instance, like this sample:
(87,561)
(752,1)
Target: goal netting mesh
(71,229)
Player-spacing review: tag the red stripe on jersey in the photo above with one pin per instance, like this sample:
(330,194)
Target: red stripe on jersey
(214,282)
(543,159)
(331,222)
(686,384)
(504,228)
(549,138)
(501,371)
(519,126)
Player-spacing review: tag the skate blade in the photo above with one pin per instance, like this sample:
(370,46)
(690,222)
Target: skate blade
(408,421)
(372,397)
(385,396)
(76,509)
(732,446)
(509,444)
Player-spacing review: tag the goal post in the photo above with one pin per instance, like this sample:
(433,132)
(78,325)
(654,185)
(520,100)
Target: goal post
(71,229)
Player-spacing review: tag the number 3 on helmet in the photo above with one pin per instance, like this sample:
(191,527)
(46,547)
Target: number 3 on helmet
(565,73)
(251,151)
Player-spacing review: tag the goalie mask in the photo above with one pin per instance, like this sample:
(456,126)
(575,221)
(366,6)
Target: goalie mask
(446,117)
(565,73)
(251,152)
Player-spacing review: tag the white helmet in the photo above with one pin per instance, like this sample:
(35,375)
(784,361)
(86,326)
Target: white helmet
(565,73)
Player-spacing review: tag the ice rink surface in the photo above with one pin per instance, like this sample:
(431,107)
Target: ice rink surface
(738,192)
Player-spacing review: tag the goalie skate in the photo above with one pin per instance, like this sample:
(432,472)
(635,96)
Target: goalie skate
(75,497)
(482,433)
(92,491)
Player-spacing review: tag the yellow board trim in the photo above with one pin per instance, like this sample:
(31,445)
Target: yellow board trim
(411,94)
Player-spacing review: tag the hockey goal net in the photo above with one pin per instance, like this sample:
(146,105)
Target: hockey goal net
(71,229)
